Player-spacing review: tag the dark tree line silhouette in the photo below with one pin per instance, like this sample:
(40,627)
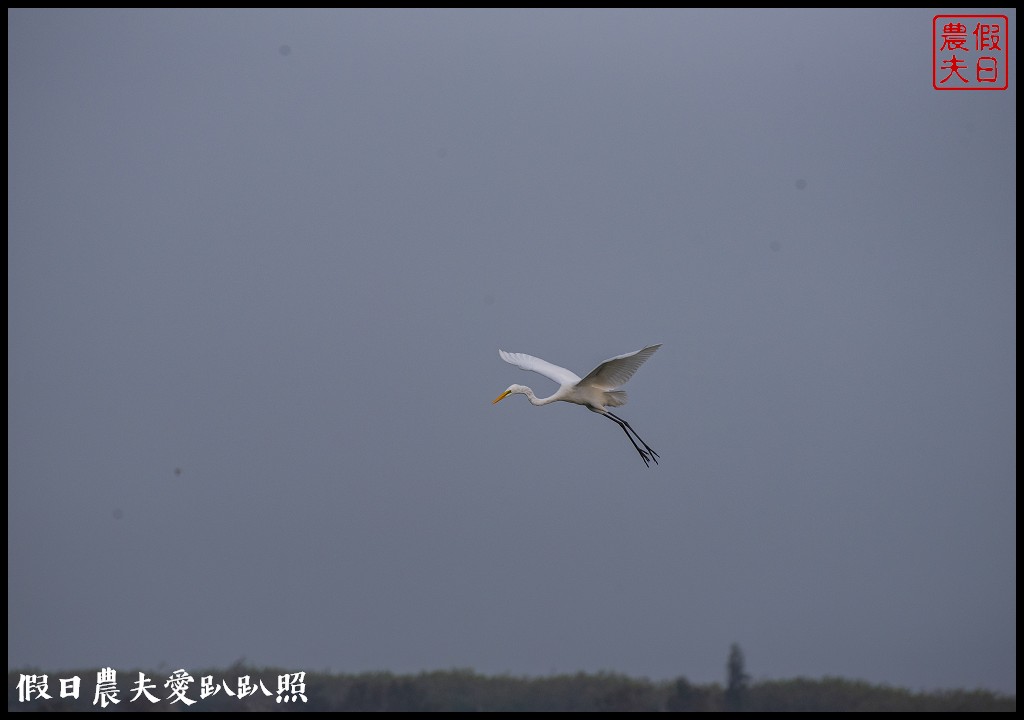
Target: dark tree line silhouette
(465,690)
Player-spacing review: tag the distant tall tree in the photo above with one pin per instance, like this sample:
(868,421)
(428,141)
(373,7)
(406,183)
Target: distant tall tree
(736,679)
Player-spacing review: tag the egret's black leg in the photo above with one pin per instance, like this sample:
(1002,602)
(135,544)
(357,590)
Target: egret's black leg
(654,455)
(624,425)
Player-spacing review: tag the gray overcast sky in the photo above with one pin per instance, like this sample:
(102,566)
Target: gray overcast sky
(279,251)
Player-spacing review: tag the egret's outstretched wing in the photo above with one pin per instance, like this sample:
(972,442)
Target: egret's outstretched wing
(553,372)
(615,372)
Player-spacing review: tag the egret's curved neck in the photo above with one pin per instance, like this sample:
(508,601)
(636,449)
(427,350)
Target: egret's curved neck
(536,400)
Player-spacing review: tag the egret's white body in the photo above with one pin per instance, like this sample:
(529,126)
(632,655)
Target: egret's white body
(597,391)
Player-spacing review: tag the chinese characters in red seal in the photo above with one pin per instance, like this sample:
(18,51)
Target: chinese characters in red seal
(970,52)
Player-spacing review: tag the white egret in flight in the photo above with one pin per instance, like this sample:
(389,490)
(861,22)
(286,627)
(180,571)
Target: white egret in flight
(595,392)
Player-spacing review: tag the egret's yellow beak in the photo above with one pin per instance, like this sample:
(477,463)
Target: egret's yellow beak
(501,397)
